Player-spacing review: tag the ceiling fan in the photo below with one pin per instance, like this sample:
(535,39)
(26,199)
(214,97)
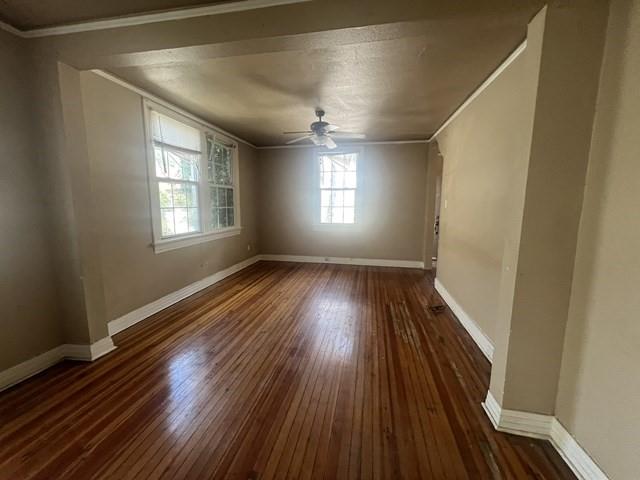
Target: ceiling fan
(323,133)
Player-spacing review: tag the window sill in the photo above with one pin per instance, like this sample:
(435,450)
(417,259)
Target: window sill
(168,244)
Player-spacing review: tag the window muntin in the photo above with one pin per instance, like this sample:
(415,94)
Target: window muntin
(338,185)
(193,180)
(220,178)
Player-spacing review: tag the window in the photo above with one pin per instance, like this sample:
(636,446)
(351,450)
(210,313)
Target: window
(220,176)
(193,180)
(338,183)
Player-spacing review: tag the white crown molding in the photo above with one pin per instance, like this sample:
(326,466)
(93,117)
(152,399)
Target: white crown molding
(371,262)
(139,314)
(481,339)
(133,20)
(150,96)
(35,365)
(546,427)
(346,144)
(483,86)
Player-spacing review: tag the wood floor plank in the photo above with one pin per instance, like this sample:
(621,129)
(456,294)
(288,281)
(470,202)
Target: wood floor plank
(284,370)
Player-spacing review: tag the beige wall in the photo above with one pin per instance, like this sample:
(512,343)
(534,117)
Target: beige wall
(599,391)
(484,152)
(390,214)
(28,308)
(132,274)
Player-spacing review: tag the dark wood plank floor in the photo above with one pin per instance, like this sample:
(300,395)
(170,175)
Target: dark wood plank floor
(281,371)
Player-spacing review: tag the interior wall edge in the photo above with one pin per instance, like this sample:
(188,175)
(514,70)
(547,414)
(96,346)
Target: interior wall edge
(546,427)
(483,86)
(470,325)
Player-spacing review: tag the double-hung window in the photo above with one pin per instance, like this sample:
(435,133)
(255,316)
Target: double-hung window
(193,173)
(338,187)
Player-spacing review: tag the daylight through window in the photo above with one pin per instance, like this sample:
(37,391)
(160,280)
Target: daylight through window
(338,184)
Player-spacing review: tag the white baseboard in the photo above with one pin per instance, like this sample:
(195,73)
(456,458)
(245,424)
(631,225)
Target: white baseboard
(372,262)
(574,455)
(139,314)
(481,339)
(519,423)
(35,365)
(89,353)
(546,427)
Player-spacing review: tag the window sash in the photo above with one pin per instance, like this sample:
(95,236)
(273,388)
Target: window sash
(338,189)
(201,182)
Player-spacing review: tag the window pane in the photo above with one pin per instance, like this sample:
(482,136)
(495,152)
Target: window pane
(181,219)
(219,162)
(325,198)
(222,217)
(194,219)
(229,197)
(166,217)
(349,162)
(213,193)
(230,217)
(166,197)
(325,163)
(325,214)
(192,195)
(337,198)
(214,218)
(350,180)
(222,197)
(336,214)
(349,198)
(172,132)
(337,180)
(179,195)
(181,166)
(349,215)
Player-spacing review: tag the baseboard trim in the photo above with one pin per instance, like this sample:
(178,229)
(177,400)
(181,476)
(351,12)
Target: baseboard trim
(139,314)
(481,339)
(574,455)
(27,369)
(89,353)
(546,427)
(371,262)
(519,423)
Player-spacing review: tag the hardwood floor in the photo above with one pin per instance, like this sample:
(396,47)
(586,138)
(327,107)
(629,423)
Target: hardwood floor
(281,371)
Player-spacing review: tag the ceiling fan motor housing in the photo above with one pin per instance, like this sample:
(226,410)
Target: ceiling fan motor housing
(319,128)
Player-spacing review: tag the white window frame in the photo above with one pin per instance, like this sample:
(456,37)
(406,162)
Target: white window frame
(206,233)
(357,214)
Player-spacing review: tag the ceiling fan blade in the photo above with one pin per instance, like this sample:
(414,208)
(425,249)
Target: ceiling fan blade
(329,143)
(348,135)
(295,133)
(317,140)
(299,139)
(331,128)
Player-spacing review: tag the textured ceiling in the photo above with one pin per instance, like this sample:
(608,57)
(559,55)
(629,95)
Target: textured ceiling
(397,89)
(28,14)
